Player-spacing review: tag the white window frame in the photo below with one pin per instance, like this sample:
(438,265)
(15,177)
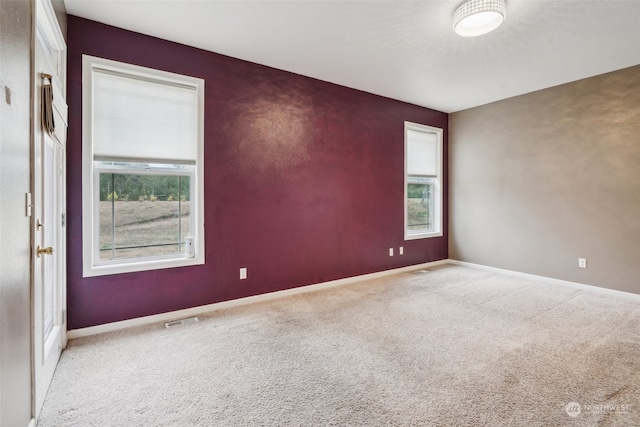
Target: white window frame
(92,265)
(437,183)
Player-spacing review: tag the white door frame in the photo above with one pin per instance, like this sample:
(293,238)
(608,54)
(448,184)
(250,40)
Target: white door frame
(49,57)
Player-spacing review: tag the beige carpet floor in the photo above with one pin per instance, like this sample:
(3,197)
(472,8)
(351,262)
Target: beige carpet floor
(454,346)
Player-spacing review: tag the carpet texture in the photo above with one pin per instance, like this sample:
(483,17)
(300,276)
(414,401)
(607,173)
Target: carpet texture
(454,346)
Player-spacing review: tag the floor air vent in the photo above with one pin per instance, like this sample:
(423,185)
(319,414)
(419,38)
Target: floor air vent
(181,322)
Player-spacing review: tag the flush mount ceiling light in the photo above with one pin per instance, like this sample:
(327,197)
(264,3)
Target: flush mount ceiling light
(476,17)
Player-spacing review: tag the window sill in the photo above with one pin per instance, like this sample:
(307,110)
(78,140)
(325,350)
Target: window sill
(422,235)
(137,266)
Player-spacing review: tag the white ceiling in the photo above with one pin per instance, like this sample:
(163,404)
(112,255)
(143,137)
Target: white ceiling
(404,50)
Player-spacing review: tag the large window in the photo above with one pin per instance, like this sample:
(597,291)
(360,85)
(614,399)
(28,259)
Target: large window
(423,181)
(143,205)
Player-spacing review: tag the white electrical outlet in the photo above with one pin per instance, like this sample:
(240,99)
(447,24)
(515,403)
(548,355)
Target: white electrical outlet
(243,273)
(390,251)
(582,262)
(401,250)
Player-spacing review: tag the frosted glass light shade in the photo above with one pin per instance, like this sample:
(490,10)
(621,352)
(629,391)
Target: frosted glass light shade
(476,17)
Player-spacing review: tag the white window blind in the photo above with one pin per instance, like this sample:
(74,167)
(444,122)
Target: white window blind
(422,153)
(141,118)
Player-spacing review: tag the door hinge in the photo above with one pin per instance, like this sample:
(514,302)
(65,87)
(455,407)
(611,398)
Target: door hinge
(64,317)
(28,204)
(64,219)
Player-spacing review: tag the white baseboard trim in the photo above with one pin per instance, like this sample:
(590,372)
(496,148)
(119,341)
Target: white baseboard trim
(575,285)
(189,312)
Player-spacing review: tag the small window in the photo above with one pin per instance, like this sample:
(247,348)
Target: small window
(423,181)
(143,205)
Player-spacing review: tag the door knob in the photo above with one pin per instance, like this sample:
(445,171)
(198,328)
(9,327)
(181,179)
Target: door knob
(46,251)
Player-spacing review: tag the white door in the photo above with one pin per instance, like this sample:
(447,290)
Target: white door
(49,265)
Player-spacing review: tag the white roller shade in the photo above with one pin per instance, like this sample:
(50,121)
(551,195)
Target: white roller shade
(422,153)
(139,118)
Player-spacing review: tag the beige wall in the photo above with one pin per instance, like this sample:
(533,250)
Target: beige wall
(15,143)
(539,180)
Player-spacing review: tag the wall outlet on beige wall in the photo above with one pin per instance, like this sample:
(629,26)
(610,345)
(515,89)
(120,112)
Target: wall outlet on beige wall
(582,262)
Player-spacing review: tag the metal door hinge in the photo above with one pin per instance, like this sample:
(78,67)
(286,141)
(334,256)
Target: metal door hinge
(64,317)
(28,204)
(64,219)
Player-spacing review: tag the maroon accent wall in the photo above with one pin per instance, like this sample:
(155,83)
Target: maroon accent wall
(303,182)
